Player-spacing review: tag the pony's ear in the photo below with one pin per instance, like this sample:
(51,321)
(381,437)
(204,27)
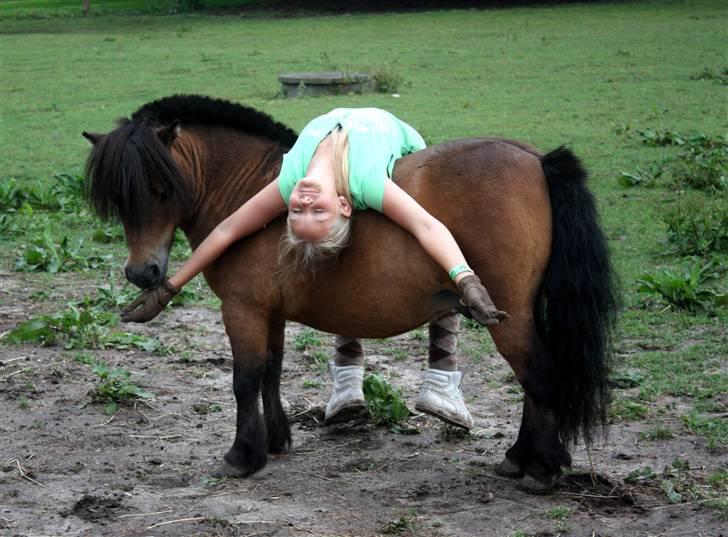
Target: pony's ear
(93,137)
(169,133)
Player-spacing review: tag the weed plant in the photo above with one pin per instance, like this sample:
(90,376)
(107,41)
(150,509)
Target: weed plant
(386,79)
(657,433)
(47,255)
(404,524)
(686,287)
(115,387)
(86,324)
(64,194)
(715,431)
(386,404)
(680,484)
(701,163)
(306,339)
(719,76)
(696,226)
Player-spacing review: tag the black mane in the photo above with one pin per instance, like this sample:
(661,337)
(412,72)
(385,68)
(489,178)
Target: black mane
(202,110)
(130,170)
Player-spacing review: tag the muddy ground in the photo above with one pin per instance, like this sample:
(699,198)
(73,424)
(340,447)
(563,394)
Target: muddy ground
(68,468)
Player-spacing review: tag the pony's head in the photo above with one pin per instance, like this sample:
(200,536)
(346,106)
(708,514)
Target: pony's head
(131,177)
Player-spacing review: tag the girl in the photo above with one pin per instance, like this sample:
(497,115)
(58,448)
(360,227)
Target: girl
(342,161)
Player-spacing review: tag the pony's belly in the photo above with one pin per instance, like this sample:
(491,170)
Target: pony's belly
(376,315)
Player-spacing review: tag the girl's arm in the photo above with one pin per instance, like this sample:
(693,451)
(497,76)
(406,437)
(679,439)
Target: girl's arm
(437,241)
(250,217)
(432,234)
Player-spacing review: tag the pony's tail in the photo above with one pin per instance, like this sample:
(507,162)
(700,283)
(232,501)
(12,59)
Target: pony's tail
(577,304)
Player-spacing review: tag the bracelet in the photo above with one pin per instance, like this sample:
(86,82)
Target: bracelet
(457,270)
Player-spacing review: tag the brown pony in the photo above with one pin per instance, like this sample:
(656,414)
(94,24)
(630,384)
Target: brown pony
(525,221)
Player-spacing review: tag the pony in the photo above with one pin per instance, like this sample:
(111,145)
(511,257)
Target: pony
(526,222)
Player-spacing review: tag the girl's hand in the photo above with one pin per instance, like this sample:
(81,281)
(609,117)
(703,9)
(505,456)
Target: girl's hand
(477,300)
(149,303)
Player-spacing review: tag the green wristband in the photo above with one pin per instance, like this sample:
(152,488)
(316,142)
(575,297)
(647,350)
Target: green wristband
(457,270)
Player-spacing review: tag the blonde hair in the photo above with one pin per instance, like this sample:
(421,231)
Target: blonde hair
(296,254)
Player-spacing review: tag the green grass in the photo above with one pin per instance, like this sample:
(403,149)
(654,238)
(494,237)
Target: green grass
(595,76)
(72,8)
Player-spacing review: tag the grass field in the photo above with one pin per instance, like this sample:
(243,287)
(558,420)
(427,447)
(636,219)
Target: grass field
(601,77)
(34,9)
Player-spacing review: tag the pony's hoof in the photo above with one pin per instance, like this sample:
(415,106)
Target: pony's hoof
(508,468)
(537,486)
(226,470)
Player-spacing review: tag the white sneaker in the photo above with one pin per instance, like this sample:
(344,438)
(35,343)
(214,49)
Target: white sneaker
(347,399)
(440,396)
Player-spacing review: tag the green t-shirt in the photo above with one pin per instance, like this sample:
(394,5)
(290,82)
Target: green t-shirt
(376,140)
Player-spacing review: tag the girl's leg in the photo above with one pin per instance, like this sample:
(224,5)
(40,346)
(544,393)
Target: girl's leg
(347,398)
(440,395)
(444,343)
(348,351)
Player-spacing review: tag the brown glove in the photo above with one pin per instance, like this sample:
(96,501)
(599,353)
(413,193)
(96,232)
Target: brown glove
(477,300)
(149,303)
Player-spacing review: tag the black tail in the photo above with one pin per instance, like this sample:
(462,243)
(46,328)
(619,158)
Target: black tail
(577,305)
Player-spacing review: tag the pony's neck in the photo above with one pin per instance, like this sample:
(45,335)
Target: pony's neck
(226,168)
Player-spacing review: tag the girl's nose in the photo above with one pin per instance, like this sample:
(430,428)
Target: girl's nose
(306,200)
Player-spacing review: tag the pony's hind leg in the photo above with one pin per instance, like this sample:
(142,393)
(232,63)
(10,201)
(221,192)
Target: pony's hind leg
(538,454)
(249,341)
(276,422)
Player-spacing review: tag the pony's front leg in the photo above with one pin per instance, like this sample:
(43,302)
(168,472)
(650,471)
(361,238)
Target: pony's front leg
(276,422)
(248,335)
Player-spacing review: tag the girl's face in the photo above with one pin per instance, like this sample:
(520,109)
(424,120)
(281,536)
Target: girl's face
(313,208)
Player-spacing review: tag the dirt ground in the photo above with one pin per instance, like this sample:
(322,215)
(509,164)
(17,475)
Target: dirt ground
(70,469)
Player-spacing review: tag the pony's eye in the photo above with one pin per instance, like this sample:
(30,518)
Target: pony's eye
(158,192)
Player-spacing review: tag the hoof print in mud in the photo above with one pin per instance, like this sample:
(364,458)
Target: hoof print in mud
(94,508)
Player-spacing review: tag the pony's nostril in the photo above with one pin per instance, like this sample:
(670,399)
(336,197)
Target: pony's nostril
(154,269)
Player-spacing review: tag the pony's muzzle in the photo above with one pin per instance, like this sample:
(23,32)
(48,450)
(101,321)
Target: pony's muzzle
(145,276)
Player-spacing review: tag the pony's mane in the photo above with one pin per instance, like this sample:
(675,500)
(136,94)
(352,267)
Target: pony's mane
(131,167)
(202,110)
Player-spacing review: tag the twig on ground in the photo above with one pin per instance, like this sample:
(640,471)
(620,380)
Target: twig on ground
(191,519)
(583,495)
(592,473)
(146,514)
(22,472)
(166,437)
(695,502)
(311,474)
(6,362)
(6,377)
(109,420)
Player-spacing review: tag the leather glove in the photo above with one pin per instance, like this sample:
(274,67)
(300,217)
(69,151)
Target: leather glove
(477,300)
(149,303)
